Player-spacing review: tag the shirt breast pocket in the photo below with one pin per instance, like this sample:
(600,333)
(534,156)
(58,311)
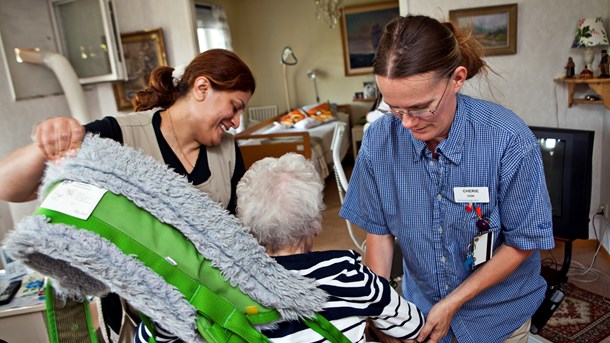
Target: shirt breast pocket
(490,213)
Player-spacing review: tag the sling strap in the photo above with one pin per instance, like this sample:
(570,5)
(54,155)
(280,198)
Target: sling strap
(68,321)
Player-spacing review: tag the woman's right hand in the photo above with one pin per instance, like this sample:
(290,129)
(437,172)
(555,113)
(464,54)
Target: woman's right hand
(58,136)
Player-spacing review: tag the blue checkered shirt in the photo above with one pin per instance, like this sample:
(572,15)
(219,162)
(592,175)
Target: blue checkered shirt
(398,188)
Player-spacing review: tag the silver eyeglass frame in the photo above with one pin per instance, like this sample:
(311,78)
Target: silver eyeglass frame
(419,114)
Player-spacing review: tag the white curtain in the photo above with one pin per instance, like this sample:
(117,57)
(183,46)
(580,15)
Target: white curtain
(212,27)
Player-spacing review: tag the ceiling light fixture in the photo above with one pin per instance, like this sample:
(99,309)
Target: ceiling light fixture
(329,10)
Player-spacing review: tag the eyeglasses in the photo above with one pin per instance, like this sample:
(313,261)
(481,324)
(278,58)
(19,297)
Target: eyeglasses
(420,114)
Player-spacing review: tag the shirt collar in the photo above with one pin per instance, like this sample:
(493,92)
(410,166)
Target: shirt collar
(453,146)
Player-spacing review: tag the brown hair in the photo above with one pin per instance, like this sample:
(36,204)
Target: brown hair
(417,44)
(223,68)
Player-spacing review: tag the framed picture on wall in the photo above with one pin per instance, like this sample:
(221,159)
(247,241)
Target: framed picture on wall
(143,51)
(495,27)
(361,29)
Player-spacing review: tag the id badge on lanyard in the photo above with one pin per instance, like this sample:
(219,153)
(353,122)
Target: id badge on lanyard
(481,248)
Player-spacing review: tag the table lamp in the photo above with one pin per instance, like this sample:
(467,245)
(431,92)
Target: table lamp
(589,33)
(311,74)
(288,58)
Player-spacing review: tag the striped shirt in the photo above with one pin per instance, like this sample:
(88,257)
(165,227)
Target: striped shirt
(355,295)
(398,188)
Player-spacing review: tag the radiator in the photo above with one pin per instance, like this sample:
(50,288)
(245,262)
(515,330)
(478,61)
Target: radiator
(261,113)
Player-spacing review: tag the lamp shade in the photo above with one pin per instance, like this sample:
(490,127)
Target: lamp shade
(590,32)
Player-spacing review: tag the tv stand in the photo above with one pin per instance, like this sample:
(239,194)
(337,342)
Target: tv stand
(556,277)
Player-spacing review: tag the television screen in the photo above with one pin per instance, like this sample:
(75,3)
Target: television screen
(553,158)
(567,156)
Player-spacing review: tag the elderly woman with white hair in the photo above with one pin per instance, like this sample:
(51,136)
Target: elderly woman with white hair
(281,200)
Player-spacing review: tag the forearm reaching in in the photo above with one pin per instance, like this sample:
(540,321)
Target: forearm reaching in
(379,254)
(22,170)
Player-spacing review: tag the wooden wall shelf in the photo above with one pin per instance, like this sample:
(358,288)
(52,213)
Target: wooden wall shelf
(364,99)
(600,86)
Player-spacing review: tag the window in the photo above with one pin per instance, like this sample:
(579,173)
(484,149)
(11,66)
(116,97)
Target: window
(212,27)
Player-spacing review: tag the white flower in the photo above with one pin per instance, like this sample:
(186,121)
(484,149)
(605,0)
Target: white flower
(177,74)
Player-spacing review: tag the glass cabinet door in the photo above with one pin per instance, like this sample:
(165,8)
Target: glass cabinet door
(87,35)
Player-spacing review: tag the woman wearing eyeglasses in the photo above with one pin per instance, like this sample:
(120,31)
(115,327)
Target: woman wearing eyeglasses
(458,182)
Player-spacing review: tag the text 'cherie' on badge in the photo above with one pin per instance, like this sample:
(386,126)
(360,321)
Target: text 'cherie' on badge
(471,194)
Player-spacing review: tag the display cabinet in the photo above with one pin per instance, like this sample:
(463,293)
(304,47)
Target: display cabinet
(87,34)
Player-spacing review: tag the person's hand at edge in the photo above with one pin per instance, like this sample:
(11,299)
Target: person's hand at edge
(438,322)
(58,136)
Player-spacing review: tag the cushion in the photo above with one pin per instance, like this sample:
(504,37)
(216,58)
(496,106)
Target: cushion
(292,117)
(322,112)
(307,123)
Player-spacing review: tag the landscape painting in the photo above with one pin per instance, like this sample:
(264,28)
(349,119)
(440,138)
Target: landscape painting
(495,27)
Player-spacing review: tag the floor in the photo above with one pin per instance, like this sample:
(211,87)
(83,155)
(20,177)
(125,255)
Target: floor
(589,271)
(334,233)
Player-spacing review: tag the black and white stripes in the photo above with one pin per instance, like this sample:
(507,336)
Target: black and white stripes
(356,294)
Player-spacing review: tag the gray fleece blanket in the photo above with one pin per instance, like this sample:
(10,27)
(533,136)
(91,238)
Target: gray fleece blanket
(81,263)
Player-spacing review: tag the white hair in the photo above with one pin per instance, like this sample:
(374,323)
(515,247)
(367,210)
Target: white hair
(281,200)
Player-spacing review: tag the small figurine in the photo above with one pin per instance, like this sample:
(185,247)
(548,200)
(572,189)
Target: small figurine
(603,65)
(570,68)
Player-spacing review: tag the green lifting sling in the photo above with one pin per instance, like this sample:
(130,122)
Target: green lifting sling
(224,313)
(173,239)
